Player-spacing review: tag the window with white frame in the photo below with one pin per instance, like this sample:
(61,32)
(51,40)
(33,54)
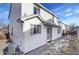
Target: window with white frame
(35,29)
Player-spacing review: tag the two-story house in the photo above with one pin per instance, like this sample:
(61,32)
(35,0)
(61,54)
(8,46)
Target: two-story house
(31,26)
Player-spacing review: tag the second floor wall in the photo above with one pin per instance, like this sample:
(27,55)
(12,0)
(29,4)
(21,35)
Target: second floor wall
(19,10)
(27,9)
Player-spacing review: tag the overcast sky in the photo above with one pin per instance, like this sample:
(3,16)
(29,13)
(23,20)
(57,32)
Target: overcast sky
(67,13)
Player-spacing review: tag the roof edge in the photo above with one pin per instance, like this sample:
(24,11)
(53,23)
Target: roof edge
(41,19)
(40,5)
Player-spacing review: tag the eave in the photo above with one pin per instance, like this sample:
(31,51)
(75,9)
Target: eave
(41,19)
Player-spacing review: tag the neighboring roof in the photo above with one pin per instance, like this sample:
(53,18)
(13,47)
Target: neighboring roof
(40,18)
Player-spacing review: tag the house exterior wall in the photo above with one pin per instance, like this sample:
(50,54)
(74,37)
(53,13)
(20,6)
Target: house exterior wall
(63,27)
(33,41)
(55,33)
(56,20)
(22,32)
(15,14)
(45,15)
(27,9)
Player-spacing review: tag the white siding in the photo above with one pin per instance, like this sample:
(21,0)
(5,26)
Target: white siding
(55,34)
(15,14)
(27,8)
(22,32)
(56,20)
(46,16)
(63,26)
(33,41)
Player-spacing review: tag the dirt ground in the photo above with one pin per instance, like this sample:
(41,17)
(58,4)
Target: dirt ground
(3,44)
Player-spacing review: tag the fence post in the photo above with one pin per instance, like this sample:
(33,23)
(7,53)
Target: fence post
(77,41)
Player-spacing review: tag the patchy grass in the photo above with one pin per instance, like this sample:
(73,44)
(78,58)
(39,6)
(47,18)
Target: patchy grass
(70,50)
(72,44)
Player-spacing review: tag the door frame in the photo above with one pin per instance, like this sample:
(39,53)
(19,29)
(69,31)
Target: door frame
(49,33)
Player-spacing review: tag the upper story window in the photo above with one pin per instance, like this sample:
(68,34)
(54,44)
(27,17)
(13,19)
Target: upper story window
(53,20)
(36,10)
(35,29)
(58,22)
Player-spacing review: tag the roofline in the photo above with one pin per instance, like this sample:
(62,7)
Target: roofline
(40,18)
(33,16)
(40,5)
(44,8)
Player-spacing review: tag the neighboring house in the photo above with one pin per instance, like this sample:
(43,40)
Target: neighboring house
(64,27)
(32,26)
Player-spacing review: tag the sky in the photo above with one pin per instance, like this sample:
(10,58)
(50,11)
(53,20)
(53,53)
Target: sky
(4,11)
(67,13)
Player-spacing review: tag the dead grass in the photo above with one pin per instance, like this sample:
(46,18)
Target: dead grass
(3,44)
(70,50)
